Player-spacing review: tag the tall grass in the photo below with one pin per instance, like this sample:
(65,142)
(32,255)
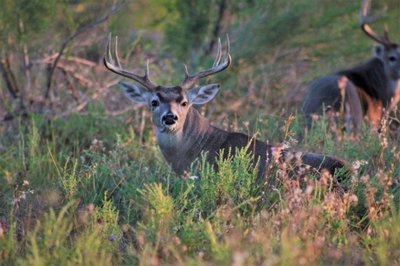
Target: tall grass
(101,202)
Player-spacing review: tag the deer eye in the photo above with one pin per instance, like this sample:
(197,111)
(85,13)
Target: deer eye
(184,104)
(392,58)
(154,103)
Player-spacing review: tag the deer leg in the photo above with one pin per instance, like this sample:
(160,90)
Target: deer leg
(374,111)
(323,98)
(351,105)
(396,97)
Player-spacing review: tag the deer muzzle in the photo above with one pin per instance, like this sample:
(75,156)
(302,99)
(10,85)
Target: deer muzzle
(169,119)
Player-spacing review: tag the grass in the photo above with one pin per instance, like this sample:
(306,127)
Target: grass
(100,201)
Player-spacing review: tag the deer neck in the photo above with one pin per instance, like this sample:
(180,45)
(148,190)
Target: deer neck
(181,148)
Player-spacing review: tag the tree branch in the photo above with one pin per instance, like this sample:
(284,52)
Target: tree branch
(8,76)
(64,44)
(217,26)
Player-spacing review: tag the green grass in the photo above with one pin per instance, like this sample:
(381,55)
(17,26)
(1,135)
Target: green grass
(103,202)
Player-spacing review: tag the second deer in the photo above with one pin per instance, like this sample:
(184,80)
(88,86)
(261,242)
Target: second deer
(363,91)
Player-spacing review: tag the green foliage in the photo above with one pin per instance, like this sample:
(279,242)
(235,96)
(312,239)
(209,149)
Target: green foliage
(21,18)
(234,183)
(107,215)
(54,242)
(189,27)
(56,229)
(158,209)
(387,236)
(69,180)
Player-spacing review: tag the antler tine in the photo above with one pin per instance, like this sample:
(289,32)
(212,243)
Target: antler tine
(217,67)
(108,56)
(367,29)
(228,44)
(186,71)
(116,68)
(386,33)
(147,73)
(116,51)
(219,54)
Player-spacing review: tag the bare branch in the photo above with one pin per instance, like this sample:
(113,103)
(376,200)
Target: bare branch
(8,76)
(82,104)
(79,31)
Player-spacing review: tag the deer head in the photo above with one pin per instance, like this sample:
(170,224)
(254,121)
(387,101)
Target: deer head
(169,104)
(387,50)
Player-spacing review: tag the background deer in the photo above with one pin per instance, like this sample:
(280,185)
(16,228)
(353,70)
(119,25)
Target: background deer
(183,134)
(361,91)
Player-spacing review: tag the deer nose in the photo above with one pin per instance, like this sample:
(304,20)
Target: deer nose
(169,118)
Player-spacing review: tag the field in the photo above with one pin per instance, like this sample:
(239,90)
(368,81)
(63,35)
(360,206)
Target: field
(82,181)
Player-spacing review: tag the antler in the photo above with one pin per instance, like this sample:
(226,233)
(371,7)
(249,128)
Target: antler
(116,68)
(367,29)
(217,67)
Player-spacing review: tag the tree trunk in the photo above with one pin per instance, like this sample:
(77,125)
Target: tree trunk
(217,25)
(9,77)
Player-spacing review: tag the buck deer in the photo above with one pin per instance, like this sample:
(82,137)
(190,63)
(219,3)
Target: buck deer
(361,91)
(183,134)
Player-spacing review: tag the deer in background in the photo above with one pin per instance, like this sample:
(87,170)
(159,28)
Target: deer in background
(183,134)
(361,91)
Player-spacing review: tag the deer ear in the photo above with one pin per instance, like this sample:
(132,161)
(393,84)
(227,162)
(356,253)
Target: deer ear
(135,92)
(202,95)
(378,50)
